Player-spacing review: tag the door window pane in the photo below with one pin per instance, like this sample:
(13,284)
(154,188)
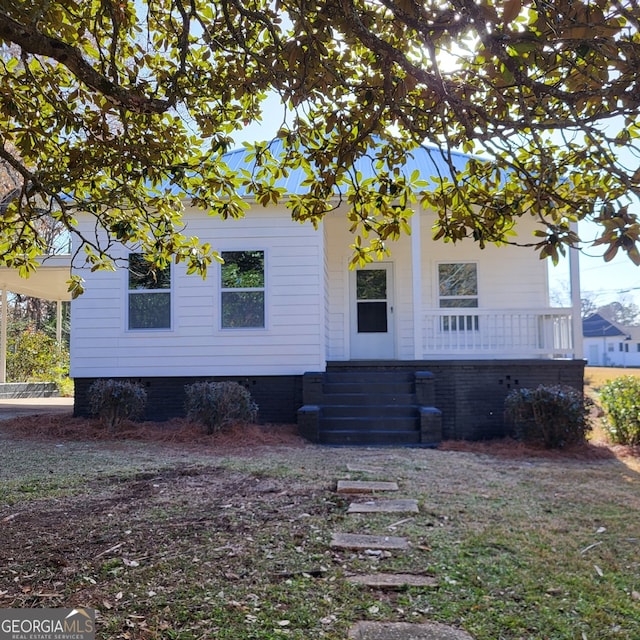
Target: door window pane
(371,284)
(372,317)
(371,293)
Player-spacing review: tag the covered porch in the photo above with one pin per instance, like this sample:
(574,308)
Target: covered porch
(49,282)
(430,300)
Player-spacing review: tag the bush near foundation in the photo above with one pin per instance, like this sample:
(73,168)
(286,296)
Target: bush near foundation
(218,405)
(114,401)
(555,416)
(620,399)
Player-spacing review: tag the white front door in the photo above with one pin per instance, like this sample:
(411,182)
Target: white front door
(371,312)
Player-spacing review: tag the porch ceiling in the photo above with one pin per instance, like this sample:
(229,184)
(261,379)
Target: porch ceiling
(49,282)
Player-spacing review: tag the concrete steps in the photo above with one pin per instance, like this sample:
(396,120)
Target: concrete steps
(370,407)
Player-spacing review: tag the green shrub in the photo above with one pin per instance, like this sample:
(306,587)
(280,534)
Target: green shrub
(66,387)
(114,401)
(551,415)
(620,399)
(33,356)
(218,405)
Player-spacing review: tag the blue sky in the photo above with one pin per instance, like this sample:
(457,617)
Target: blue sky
(601,282)
(607,282)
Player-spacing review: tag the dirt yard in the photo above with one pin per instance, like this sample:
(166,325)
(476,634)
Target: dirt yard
(169,533)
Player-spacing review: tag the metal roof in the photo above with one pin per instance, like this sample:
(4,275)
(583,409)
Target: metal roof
(597,326)
(431,162)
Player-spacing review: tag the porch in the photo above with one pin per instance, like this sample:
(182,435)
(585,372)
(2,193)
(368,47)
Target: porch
(497,333)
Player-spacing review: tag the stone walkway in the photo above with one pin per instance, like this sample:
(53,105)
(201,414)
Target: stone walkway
(371,504)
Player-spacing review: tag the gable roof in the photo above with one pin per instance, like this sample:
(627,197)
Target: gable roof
(429,161)
(597,326)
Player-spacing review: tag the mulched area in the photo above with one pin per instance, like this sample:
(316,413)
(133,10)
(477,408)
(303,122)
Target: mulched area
(180,431)
(177,431)
(510,448)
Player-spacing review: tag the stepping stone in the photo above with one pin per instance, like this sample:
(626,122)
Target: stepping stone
(363,486)
(384,506)
(405,631)
(360,541)
(393,580)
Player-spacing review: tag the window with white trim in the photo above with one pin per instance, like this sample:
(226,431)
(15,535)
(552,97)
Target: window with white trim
(149,295)
(458,288)
(242,285)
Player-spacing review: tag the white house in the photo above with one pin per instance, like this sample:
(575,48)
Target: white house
(610,344)
(445,330)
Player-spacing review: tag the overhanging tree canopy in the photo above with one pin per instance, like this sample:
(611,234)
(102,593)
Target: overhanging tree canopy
(118,109)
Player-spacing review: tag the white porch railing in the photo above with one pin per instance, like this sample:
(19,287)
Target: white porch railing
(492,333)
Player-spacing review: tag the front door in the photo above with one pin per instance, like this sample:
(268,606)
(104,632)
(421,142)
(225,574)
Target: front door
(372,334)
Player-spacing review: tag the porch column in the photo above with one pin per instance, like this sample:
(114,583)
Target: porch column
(416,284)
(576,316)
(59,324)
(3,335)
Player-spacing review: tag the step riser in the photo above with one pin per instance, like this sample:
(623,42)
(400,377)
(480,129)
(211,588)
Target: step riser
(355,438)
(380,377)
(364,425)
(370,411)
(366,388)
(366,399)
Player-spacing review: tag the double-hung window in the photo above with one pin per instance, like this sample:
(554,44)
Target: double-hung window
(242,290)
(458,288)
(149,295)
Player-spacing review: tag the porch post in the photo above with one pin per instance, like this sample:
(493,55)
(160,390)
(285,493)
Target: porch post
(416,283)
(3,335)
(59,324)
(576,316)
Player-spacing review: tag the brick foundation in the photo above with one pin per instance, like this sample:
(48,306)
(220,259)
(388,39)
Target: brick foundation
(470,394)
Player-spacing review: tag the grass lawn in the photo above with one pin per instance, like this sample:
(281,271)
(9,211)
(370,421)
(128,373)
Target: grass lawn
(185,541)
(595,377)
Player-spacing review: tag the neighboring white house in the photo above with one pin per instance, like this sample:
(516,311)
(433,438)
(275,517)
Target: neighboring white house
(610,344)
(286,303)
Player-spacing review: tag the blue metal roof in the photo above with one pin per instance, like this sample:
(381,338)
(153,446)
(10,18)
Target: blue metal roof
(597,326)
(430,162)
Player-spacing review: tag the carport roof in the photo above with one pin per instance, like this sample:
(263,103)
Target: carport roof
(49,281)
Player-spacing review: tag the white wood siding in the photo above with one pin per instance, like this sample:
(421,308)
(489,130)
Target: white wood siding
(508,277)
(291,343)
(337,260)
(307,300)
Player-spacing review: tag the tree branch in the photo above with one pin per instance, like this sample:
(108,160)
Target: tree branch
(33,42)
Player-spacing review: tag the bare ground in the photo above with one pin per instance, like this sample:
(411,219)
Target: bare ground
(178,515)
